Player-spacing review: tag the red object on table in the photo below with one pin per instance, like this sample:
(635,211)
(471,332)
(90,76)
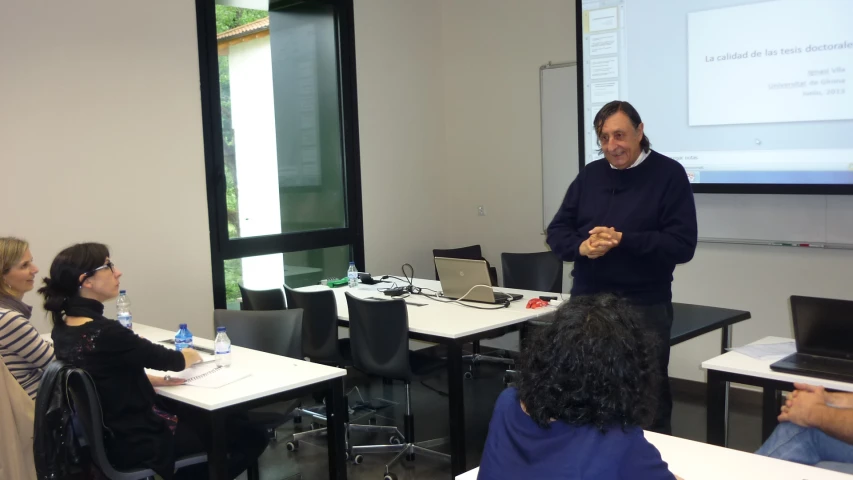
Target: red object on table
(536,303)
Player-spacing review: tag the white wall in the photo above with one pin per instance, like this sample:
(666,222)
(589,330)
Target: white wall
(492,52)
(401,131)
(101,137)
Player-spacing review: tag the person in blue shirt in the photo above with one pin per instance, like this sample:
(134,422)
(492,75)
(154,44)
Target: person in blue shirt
(627,220)
(585,392)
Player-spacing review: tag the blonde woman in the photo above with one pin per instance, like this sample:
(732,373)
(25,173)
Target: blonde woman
(23,350)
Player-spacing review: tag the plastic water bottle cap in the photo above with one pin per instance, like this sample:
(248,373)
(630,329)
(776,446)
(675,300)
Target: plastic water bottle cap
(182,326)
(220,329)
(122,292)
(352,263)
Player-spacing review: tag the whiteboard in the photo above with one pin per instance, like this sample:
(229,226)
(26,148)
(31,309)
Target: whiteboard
(558,86)
(727,218)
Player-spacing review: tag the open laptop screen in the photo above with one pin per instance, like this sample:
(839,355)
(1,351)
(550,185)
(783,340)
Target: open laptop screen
(823,326)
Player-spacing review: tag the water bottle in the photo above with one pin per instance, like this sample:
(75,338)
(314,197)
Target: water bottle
(123,310)
(184,338)
(222,348)
(352,274)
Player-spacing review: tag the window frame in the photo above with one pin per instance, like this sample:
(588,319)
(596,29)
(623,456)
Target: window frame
(221,246)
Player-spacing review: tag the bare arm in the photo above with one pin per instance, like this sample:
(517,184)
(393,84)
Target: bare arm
(840,399)
(835,422)
(810,406)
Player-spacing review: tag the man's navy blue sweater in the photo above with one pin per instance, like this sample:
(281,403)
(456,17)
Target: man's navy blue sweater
(651,204)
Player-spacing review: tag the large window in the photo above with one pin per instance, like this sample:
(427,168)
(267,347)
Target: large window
(281,142)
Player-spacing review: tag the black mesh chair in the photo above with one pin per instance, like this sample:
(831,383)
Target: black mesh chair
(473,252)
(320,342)
(87,407)
(379,333)
(278,332)
(272,299)
(542,271)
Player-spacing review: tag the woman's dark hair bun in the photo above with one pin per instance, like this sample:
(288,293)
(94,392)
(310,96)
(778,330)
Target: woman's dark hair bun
(53,300)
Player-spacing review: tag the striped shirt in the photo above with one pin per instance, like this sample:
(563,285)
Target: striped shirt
(24,352)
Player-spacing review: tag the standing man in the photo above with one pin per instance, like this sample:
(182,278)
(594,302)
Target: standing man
(626,222)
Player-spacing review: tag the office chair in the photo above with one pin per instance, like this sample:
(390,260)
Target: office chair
(542,271)
(87,407)
(320,342)
(473,252)
(272,299)
(278,332)
(379,333)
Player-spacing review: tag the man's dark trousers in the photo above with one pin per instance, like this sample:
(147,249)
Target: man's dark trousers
(657,319)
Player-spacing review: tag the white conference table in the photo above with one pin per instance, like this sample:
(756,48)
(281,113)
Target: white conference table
(452,325)
(739,368)
(273,379)
(700,461)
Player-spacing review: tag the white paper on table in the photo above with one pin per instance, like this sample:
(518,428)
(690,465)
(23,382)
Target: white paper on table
(208,375)
(767,350)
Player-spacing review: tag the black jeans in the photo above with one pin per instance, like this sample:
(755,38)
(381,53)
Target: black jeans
(657,319)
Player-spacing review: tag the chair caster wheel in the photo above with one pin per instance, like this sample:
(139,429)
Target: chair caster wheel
(389,476)
(394,440)
(314,426)
(292,446)
(371,421)
(468,375)
(356,460)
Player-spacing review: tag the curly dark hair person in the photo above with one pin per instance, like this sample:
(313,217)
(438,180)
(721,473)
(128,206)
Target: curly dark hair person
(594,365)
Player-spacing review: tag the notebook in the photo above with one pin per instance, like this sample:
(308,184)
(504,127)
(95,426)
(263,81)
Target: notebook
(208,375)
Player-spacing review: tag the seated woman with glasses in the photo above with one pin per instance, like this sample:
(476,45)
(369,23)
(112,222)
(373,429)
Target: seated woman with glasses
(583,398)
(145,431)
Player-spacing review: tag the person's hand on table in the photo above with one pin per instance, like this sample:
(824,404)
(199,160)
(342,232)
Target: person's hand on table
(166,381)
(191,357)
(801,404)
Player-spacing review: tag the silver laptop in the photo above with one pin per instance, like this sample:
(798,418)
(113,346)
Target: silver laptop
(463,279)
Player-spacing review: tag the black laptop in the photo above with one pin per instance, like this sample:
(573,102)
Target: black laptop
(823,330)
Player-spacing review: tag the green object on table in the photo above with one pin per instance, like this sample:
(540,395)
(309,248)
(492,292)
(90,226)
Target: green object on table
(338,283)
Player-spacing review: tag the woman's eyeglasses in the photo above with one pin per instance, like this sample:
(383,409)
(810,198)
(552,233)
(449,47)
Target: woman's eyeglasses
(88,274)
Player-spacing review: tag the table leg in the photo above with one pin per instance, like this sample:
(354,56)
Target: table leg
(456,403)
(336,412)
(770,405)
(725,345)
(716,409)
(726,339)
(217,454)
